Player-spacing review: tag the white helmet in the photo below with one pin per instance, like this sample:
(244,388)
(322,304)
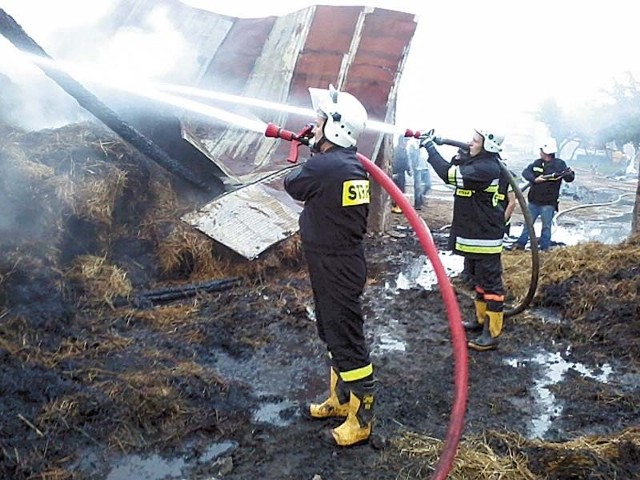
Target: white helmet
(549,146)
(492,141)
(346,117)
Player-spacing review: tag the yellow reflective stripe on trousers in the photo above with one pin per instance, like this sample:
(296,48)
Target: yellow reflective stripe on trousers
(476,245)
(357,374)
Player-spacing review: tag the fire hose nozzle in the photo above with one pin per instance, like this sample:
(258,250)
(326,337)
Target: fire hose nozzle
(296,139)
(274,131)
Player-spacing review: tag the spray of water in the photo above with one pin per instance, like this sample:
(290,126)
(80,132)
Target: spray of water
(255,102)
(175,95)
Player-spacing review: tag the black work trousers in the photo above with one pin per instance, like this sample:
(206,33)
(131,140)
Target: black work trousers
(337,281)
(487,275)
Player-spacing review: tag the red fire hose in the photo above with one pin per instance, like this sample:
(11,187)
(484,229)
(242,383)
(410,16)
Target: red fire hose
(456,422)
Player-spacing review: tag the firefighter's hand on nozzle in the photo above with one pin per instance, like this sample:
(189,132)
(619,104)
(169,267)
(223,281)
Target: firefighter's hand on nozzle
(427,138)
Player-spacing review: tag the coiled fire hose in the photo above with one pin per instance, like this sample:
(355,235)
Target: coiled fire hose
(535,253)
(459,340)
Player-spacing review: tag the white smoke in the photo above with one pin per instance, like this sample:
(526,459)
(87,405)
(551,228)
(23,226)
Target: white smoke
(69,31)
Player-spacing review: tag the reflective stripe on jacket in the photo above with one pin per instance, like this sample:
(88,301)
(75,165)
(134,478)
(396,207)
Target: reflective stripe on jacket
(478,215)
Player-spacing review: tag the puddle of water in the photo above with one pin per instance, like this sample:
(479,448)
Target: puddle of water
(420,272)
(311,312)
(388,338)
(266,378)
(272,413)
(217,450)
(553,367)
(152,467)
(547,315)
(610,231)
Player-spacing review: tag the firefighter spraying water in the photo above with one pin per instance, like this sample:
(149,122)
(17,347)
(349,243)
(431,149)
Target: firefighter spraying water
(334,185)
(535,260)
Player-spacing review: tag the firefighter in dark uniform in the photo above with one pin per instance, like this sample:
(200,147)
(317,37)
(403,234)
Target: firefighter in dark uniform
(507,198)
(478,226)
(545,176)
(334,186)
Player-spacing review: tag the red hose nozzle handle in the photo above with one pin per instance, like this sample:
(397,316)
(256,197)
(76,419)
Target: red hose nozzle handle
(410,133)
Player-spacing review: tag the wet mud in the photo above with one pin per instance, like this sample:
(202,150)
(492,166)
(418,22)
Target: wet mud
(210,386)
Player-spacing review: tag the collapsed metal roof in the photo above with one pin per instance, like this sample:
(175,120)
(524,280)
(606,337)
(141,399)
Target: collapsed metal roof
(358,49)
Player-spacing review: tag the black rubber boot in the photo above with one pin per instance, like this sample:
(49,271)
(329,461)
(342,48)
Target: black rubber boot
(490,333)
(480,318)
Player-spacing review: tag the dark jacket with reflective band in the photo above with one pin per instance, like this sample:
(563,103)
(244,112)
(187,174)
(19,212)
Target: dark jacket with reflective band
(334,187)
(478,215)
(546,193)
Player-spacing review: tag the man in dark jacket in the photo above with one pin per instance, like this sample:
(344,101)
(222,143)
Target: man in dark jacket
(478,226)
(545,176)
(334,186)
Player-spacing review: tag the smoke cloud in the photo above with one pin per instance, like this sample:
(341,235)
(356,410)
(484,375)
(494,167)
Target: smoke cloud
(83,33)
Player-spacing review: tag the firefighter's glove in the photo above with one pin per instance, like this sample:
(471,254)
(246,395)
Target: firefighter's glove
(426,139)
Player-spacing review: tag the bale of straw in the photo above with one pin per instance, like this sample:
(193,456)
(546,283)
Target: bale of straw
(99,281)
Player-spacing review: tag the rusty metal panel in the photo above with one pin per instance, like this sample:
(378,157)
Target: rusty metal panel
(232,63)
(251,219)
(359,49)
(246,154)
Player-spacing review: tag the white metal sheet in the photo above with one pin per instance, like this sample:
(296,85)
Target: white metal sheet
(251,219)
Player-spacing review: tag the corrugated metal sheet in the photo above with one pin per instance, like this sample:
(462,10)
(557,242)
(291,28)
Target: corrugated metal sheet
(251,219)
(361,50)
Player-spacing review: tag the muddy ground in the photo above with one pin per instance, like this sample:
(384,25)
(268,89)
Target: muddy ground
(209,386)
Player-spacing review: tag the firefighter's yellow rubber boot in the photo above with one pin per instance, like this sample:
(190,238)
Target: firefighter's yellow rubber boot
(490,333)
(358,425)
(337,405)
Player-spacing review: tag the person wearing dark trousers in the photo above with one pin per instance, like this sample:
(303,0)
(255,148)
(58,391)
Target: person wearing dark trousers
(334,186)
(477,227)
(399,168)
(545,176)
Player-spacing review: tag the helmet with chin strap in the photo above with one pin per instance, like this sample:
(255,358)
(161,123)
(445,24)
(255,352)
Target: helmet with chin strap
(346,116)
(492,141)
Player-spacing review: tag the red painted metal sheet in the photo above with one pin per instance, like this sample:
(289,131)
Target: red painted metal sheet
(358,49)
(233,61)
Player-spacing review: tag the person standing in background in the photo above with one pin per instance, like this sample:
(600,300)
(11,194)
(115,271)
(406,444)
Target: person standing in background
(545,176)
(420,170)
(399,168)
